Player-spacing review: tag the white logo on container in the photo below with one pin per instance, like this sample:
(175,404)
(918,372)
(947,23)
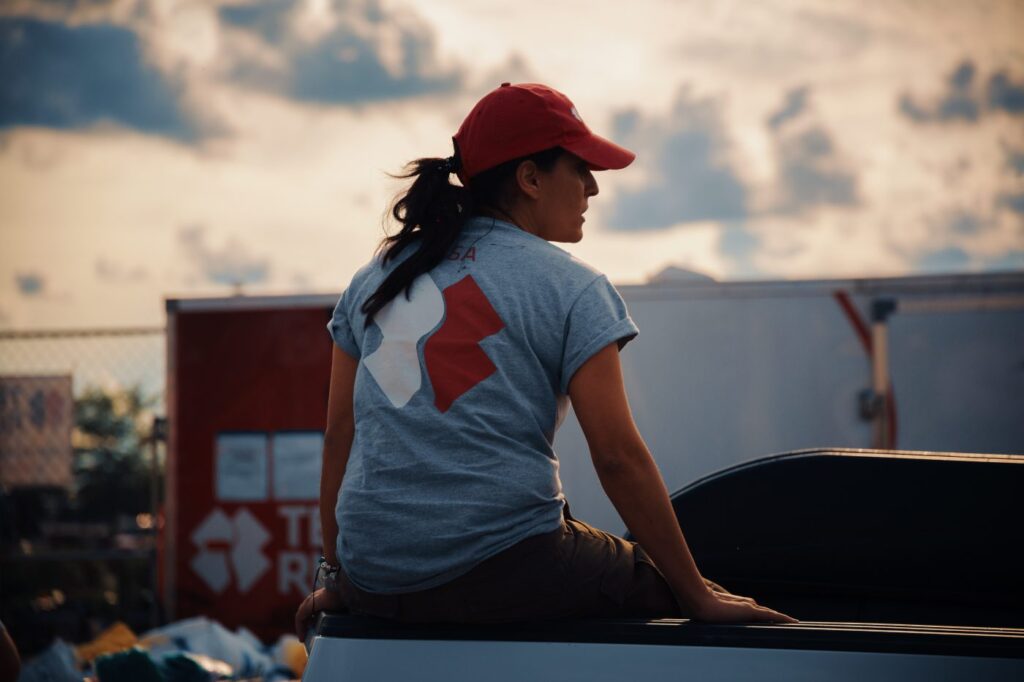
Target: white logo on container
(246,538)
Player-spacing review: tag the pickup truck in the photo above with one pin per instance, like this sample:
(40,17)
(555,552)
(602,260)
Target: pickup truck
(900,565)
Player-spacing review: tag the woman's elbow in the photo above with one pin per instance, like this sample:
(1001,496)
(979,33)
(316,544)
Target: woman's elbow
(616,462)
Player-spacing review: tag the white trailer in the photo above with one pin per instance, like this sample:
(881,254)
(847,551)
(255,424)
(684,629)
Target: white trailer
(723,373)
(726,372)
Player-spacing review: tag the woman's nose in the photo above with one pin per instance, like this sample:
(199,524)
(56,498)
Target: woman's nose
(591,184)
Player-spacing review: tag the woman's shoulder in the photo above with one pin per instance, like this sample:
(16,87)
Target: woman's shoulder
(569,273)
(373,272)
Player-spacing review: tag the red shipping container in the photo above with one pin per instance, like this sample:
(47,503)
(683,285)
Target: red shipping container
(247,383)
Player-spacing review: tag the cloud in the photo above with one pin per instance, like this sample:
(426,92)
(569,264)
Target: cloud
(949,259)
(1012,260)
(957,103)
(689,163)
(687,155)
(348,53)
(965,223)
(1015,160)
(30,283)
(62,76)
(738,246)
(72,65)
(1012,201)
(69,11)
(795,104)
(810,173)
(267,19)
(963,100)
(109,271)
(1004,94)
(810,170)
(230,264)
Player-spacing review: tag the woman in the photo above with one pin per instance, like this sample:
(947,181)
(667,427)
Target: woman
(456,353)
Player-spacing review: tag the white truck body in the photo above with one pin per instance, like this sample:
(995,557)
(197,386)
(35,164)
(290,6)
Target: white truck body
(723,373)
(674,650)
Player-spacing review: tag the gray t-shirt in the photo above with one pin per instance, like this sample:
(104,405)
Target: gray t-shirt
(457,396)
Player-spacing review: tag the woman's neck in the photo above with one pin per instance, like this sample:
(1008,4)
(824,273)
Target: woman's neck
(514,217)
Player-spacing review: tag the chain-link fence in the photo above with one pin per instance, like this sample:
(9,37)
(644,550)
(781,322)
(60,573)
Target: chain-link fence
(41,376)
(93,357)
(80,480)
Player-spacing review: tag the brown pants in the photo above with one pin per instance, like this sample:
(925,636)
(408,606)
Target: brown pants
(575,571)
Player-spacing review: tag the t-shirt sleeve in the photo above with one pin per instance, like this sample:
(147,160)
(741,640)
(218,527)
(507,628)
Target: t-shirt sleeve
(340,326)
(597,318)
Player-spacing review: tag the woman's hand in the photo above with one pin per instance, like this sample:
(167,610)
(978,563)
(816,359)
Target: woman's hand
(722,607)
(715,587)
(319,600)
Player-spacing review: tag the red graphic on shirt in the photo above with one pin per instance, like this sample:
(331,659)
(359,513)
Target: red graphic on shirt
(453,356)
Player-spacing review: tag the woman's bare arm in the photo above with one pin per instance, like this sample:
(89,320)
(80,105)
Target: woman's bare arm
(633,482)
(337,444)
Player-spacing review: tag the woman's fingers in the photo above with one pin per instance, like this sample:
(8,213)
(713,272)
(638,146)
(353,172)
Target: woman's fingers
(726,594)
(738,598)
(303,615)
(320,600)
(715,586)
(772,616)
(723,609)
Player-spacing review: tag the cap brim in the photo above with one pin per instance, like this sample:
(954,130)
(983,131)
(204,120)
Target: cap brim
(601,154)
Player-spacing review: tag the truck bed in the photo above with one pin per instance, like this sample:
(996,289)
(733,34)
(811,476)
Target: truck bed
(355,647)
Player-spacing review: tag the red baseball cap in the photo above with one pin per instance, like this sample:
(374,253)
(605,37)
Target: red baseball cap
(518,120)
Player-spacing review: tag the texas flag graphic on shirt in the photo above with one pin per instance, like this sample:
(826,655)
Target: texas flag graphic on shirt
(454,360)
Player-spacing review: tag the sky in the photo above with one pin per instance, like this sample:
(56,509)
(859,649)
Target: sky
(187,148)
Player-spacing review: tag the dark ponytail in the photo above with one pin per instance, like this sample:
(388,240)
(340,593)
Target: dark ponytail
(433,211)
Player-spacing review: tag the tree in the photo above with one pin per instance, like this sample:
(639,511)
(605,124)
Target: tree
(111,467)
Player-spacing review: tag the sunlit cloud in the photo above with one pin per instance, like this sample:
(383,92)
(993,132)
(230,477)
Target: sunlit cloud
(1005,94)
(959,102)
(966,99)
(1009,261)
(770,136)
(1012,201)
(76,76)
(948,259)
(230,264)
(345,53)
(739,247)
(811,172)
(965,223)
(794,105)
(690,169)
(690,176)
(153,67)
(1015,160)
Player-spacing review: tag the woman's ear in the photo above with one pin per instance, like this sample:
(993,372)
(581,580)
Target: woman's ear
(528,179)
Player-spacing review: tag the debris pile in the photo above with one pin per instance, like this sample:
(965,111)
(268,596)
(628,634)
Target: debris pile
(192,650)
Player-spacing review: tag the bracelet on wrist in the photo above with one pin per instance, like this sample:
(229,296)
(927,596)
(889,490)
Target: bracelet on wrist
(330,574)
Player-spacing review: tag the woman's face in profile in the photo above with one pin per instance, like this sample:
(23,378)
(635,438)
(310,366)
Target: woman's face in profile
(562,201)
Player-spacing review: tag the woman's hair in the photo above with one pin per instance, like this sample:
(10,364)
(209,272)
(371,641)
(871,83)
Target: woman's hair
(433,210)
